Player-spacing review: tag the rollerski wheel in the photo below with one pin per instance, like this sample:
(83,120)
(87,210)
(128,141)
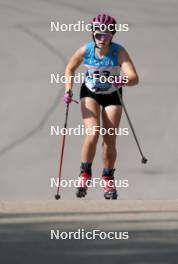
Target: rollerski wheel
(111,195)
(81,192)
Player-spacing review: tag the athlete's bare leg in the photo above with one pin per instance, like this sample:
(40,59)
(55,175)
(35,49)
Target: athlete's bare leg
(111,116)
(91,117)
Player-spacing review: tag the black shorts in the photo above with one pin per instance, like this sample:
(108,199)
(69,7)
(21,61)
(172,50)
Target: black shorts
(102,99)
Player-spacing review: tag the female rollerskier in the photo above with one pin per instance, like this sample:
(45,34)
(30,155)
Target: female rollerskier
(102,57)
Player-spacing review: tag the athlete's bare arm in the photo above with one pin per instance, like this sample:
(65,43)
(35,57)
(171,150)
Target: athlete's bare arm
(128,67)
(72,65)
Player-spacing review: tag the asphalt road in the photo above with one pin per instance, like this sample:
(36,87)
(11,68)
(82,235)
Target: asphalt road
(26,228)
(30,104)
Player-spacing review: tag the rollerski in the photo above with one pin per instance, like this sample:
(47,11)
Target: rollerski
(84,180)
(110,192)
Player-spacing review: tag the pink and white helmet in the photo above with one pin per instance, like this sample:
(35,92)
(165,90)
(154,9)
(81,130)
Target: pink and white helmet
(103,22)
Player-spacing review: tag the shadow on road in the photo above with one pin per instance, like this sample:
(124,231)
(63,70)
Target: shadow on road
(30,243)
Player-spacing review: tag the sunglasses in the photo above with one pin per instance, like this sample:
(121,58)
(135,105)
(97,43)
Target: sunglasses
(104,36)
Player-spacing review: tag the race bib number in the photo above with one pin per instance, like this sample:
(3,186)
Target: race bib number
(99,80)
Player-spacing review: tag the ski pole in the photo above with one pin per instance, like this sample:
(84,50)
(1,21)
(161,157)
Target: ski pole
(144,160)
(57,196)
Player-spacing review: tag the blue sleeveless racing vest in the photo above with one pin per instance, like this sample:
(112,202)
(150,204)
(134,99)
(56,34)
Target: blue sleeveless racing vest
(100,71)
